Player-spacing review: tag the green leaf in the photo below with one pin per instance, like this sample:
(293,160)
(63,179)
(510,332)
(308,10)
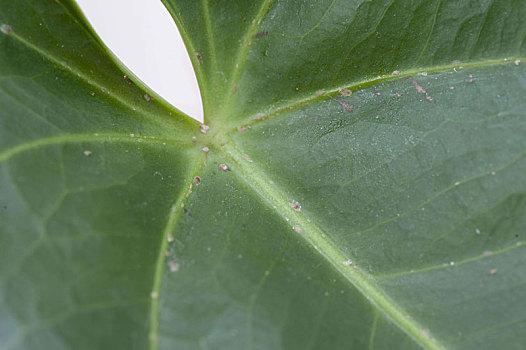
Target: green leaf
(363,185)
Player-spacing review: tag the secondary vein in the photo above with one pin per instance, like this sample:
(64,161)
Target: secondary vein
(75,138)
(295,104)
(173,218)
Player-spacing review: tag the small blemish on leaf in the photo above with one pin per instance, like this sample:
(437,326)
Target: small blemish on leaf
(347,262)
(471,78)
(199,58)
(426,334)
(517,62)
(297,229)
(260,35)
(396,72)
(420,89)
(174,265)
(154,295)
(127,79)
(204,128)
(345,92)
(197,180)
(295,205)
(243,128)
(170,238)
(247,158)
(87,153)
(205,149)
(493,271)
(148,98)
(223,167)
(4,28)
(346,107)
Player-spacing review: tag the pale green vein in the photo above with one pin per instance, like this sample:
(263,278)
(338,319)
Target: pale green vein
(457,263)
(210,38)
(424,47)
(329,8)
(175,213)
(253,298)
(373,330)
(76,138)
(243,52)
(129,105)
(353,86)
(319,241)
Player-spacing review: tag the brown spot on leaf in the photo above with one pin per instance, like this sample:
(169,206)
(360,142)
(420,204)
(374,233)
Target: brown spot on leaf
(197,180)
(243,128)
(345,92)
(127,79)
(223,167)
(260,35)
(199,58)
(346,107)
(419,88)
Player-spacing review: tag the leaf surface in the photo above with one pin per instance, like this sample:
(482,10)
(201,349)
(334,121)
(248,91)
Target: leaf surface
(363,186)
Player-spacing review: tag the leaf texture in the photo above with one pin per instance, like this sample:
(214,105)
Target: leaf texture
(360,186)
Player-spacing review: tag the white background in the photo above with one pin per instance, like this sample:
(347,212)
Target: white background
(142,34)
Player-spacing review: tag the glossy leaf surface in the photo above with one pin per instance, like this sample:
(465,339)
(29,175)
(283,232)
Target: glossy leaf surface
(362,184)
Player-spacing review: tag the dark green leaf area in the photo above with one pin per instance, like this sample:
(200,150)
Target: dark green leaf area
(324,45)
(264,287)
(464,302)
(402,183)
(80,239)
